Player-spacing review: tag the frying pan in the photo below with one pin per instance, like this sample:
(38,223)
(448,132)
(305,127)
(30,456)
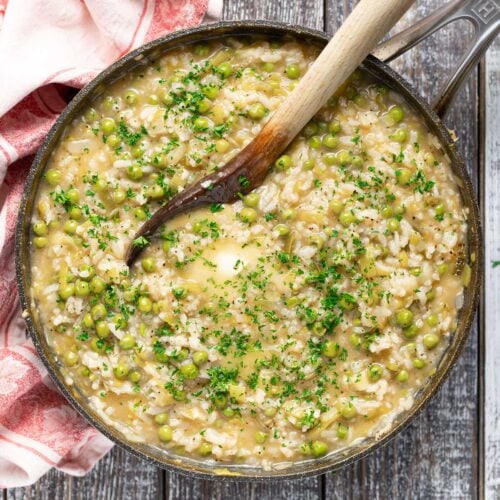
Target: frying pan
(487,25)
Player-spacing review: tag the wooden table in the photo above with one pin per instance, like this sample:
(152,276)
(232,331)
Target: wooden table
(442,453)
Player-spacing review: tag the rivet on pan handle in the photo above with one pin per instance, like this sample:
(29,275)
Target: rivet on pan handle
(484,15)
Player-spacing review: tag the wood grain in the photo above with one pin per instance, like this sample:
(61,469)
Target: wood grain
(437,456)
(491,210)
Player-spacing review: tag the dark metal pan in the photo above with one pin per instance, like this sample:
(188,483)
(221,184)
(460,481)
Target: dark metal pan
(148,53)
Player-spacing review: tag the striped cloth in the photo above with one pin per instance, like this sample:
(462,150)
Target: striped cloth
(46,47)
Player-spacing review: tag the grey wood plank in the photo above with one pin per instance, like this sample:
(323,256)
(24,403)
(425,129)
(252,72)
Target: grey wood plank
(491,206)
(309,13)
(119,475)
(436,456)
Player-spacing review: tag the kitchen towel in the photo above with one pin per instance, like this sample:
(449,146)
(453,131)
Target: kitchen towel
(48,47)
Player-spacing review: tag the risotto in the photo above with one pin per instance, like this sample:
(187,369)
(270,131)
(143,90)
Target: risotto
(279,328)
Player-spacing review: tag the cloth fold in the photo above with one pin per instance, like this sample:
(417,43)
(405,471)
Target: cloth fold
(47,46)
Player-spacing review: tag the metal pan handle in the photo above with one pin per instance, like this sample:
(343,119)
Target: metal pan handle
(484,15)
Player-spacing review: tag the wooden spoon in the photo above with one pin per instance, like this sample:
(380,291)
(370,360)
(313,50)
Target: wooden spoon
(363,29)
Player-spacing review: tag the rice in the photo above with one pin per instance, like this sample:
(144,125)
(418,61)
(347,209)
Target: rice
(289,324)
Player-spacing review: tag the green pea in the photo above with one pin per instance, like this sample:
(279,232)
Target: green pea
(160,160)
(40,228)
(310,129)
(121,371)
(442,269)
(201,50)
(220,401)
(155,192)
(91,115)
(211,91)
(330,349)
(357,161)
(402,376)
(289,213)
(70,226)
(131,97)
(319,448)
(268,67)
(53,177)
(98,311)
(144,304)
(401,135)
(393,225)
(205,449)
(153,99)
(292,71)
(200,358)
(190,371)
(134,172)
(292,301)
(344,158)
(314,142)
(411,331)
(66,290)
(81,288)
(348,411)
(161,418)
(102,329)
(204,105)
(308,165)
(355,340)
(346,218)
(225,70)
(108,102)
(432,320)
(431,340)
(73,195)
(257,111)
(260,437)
(404,318)
(140,214)
(430,295)
(251,199)
(75,213)
(113,141)
(342,431)
(403,176)
(108,126)
(270,412)
(416,271)
(440,209)
(97,285)
(387,212)
(119,195)
(248,215)
(148,264)
(200,124)
(375,372)
(87,321)
(135,376)
(100,185)
(138,151)
(40,242)
(329,158)
(97,345)
(397,114)
(330,141)
(336,206)
(282,229)
(418,363)
(334,127)
(127,342)
(283,163)
(71,358)
(84,371)
(318,329)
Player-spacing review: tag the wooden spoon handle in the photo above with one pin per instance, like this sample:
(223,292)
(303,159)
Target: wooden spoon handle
(367,24)
(363,29)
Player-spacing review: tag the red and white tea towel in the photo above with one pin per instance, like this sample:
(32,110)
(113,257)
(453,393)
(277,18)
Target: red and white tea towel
(46,46)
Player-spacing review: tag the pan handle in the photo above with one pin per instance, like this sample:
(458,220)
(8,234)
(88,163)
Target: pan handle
(484,15)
